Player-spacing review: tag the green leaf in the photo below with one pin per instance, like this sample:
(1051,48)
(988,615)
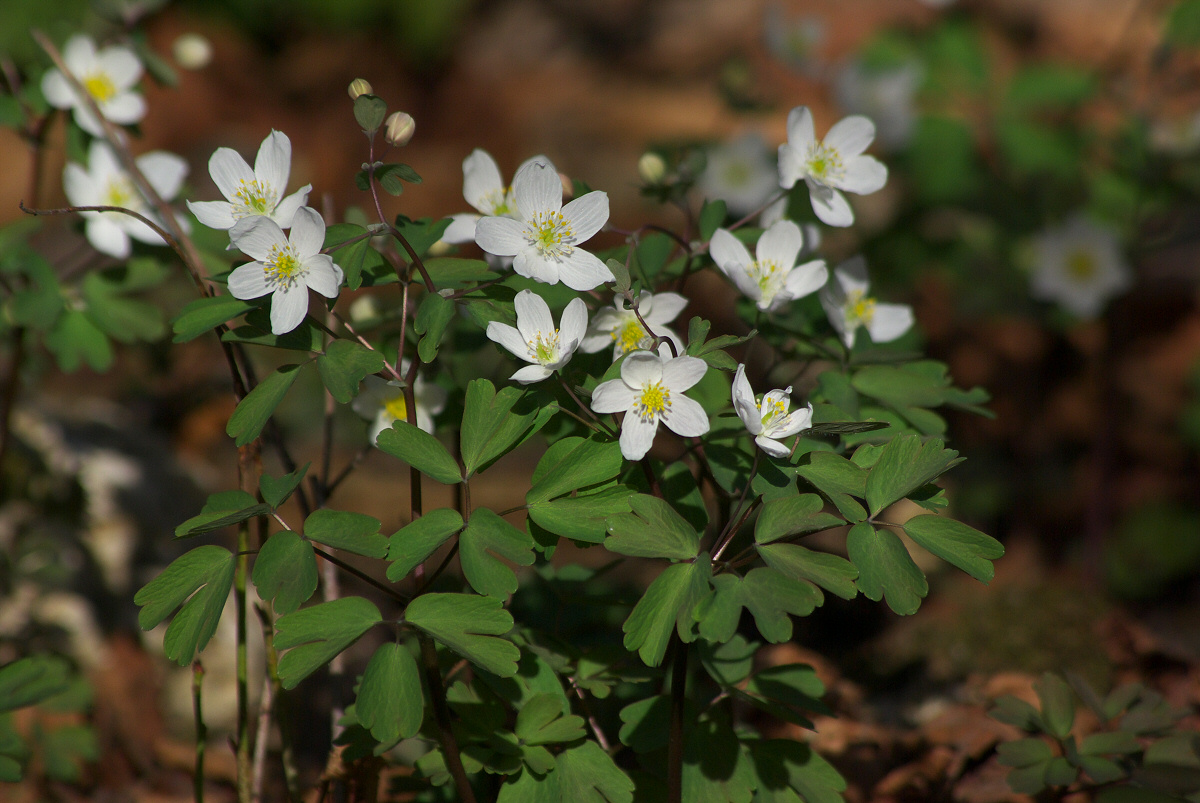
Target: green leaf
(715,768)
(728,663)
(344,365)
(793,515)
(1183,24)
(221,511)
(839,479)
(353,259)
(433,315)
(390,703)
(455,272)
(943,160)
(652,252)
(487,538)
(65,750)
(1033,148)
(421,234)
(313,636)
(645,723)
(369,111)
(285,571)
(420,450)
(1118,742)
(1023,752)
(541,720)
(787,768)
(582,518)
(495,423)
(770,597)
(528,787)
(205,314)
(831,572)
(76,340)
(31,680)
(353,532)
(277,491)
(957,544)
(885,568)
(1049,87)
(712,215)
(621,280)
(199,581)
(252,412)
(576,464)
(586,774)
(468,625)
(905,465)
(1017,712)
(126,320)
(257,331)
(1058,704)
(1101,770)
(652,530)
(668,604)
(415,542)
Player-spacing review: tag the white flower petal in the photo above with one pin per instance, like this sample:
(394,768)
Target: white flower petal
(228,170)
(139,230)
(249,281)
(288,308)
(78,186)
(531,373)
(510,338)
(500,235)
(285,210)
(890,322)
(582,270)
(273,164)
(728,252)
(686,417)
(850,136)
(107,237)
(481,180)
(533,316)
(800,130)
(807,278)
(830,205)
(612,396)
(88,121)
(308,231)
(771,447)
(743,402)
(120,65)
(661,308)
(79,53)
(852,276)
(864,174)
(681,373)
(256,236)
(641,368)
(322,275)
(125,109)
(799,419)
(165,171)
(574,322)
(791,167)
(214,214)
(586,215)
(780,244)
(461,229)
(533,265)
(57,91)
(637,436)
(537,188)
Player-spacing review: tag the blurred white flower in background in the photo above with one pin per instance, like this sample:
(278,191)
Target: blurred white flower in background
(107,75)
(1079,265)
(741,173)
(884,94)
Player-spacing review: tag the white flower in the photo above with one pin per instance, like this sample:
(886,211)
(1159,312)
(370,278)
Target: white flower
(828,166)
(544,235)
(774,278)
(621,328)
(107,75)
(796,41)
(535,340)
(770,420)
(486,191)
(284,266)
(105,183)
(382,402)
(650,391)
(848,306)
(1079,265)
(740,173)
(884,95)
(252,192)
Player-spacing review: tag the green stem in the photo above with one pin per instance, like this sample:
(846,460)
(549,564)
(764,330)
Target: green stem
(679,671)
(201,732)
(437,694)
(244,767)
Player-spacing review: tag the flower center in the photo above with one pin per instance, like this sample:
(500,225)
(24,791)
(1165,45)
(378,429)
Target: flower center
(100,87)
(769,276)
(1081,265)
(654,403)
(396,408)
(774,413)
(859,309)
(550,233)
(283,266)
(825,164)
(544,349)
(736,174)
(500,202)
(120,192)
(254,198)
(630,335)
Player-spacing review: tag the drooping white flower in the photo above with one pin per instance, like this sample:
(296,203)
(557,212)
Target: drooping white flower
(830,165)
(849,307)
(534,338)
(108,75)
(649,392)
(1079,265)
(486,191)
(740,173)
(620,327)
(105,183)
(774,278)
(285,266)
(382,403)
(544,235)
(770,420)
(884,95)
(252,192)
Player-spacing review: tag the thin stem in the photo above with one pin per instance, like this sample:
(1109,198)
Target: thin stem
(366,578)
(12,381)
(655,488)
(601,739)
(261,737)
(679,671)
(201,732)
(70,210)
(583,406)
(731,528)
(243,703)
(437,693)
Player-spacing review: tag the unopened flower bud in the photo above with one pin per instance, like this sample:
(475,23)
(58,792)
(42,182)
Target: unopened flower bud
(399,129)
(192,51)
(651,167)
(360,86)
(567,185)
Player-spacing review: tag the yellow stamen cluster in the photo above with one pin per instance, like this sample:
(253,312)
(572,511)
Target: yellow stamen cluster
(825,164)
(500,203)
(771,411)
(550,233)
(120,192)
(859,309)
(629,336)
(769,275)
(544,349)
(255,197)
(396,408)
(283,266)
(653,403)
(1081,265)
(100,87)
